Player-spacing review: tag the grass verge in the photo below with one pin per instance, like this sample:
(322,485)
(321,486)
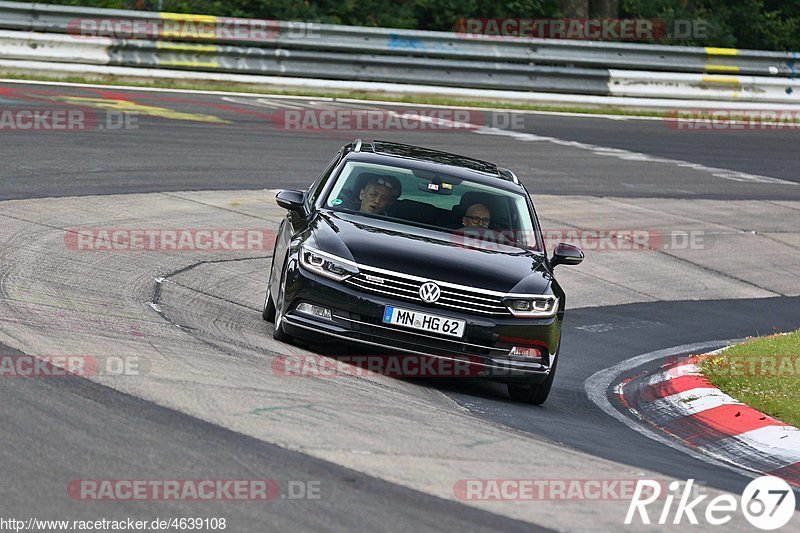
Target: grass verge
(764,373)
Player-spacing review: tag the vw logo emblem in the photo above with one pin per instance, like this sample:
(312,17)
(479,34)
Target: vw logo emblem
(429,292)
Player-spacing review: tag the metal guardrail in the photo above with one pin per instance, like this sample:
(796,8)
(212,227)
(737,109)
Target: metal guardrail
(383,41)
(361,67)
(401,56)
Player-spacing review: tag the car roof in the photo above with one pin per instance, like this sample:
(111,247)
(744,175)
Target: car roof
(417,157)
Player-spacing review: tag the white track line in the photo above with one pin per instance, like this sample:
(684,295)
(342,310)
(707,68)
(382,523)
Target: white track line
(683,369)
(588,114)
(781,443)
(693,401)
(626,155)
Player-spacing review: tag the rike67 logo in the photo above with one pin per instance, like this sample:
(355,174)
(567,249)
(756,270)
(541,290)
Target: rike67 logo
(767,503)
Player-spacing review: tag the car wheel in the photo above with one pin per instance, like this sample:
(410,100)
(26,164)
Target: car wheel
(269,308)
(279,334)
(535,394)
(268,311)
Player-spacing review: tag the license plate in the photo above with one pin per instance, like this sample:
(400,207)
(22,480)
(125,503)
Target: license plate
(423,321)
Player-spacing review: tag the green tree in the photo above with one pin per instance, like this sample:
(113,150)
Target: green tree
(758,24)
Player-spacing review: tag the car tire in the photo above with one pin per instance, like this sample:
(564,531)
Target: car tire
(534,394)
(278,333)
(268,312)
(269,308)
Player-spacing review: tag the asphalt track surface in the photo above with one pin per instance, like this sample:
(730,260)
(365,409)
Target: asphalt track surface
(230,144)
(607,335)
(59,429)
(84,428)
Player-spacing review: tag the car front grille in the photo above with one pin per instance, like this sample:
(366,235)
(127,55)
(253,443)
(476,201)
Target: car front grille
(403,287)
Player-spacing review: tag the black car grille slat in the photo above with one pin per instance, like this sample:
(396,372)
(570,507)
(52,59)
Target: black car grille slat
(454,294)
(456,301)
(393,291)
(398,286)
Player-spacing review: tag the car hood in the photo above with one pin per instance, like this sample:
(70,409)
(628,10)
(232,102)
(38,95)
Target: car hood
(431,254)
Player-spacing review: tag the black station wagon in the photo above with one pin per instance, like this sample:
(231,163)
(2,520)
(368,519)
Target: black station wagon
(405,250)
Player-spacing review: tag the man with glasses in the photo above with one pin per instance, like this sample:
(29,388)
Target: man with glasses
(477,216)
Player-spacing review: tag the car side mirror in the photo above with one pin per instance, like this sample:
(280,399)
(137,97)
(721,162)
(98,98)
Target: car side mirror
(292,200)
(566,254)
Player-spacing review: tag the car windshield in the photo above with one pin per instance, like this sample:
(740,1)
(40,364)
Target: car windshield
(422,198)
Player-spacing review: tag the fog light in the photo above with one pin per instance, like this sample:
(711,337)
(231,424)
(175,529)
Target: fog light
(526,351)
(313,310)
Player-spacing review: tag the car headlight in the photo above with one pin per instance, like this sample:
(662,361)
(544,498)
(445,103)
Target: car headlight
(532,306)
(325,264)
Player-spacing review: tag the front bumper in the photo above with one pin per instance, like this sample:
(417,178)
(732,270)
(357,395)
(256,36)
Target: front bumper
(357,319)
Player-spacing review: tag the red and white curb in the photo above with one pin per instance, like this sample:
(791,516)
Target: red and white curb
(679,401)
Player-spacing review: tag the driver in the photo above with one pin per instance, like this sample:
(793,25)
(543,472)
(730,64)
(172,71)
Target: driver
(379,194)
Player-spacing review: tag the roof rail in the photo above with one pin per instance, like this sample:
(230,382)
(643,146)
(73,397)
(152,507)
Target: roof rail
(358,146)
(437,156)
(507,174)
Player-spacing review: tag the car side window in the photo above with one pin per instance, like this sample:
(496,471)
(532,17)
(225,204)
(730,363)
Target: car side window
(319,184)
